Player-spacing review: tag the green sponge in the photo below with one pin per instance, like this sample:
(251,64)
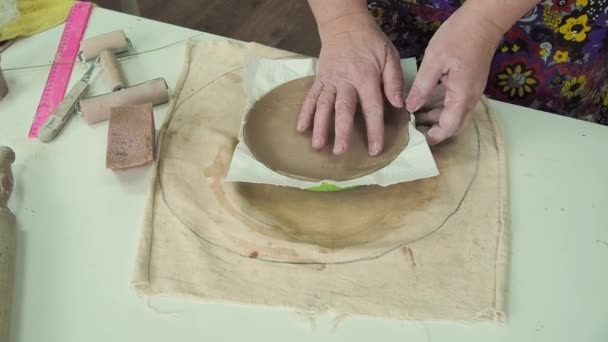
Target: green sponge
(327,187)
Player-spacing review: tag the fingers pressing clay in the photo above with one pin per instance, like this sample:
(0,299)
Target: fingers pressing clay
(429,118)
(97,108)
(270,135)
(425,82)
(372,104)
(392,78)
(449,123)
(115,42)
(112,71)
(346,104)
(323,115)
(305,118)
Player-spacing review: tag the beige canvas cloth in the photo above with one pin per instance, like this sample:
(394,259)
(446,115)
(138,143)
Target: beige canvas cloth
(435,248)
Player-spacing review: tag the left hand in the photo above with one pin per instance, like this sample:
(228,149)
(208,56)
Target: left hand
(459,55)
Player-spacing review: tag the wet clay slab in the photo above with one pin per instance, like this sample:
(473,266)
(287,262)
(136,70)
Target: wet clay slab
(271,135)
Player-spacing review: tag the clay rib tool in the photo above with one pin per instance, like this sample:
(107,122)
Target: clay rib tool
(97,108)
(63,112)
(8,238)
(61,69)
(107,46)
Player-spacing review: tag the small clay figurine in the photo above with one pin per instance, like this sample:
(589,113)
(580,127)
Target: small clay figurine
(8,236)
(7,157)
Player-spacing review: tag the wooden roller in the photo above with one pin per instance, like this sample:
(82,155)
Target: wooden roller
(97,108)
(112,70)
(8,239)
(107,46)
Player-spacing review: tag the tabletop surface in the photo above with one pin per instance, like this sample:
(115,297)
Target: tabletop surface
(79,225)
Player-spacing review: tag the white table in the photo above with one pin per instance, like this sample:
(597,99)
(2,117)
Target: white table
(79,226)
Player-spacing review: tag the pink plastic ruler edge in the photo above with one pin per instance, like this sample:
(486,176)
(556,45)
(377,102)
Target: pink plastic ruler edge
(63,64)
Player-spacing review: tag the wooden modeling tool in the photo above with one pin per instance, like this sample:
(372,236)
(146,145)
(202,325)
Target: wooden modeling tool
(107,46)
(53,125)
(8,239)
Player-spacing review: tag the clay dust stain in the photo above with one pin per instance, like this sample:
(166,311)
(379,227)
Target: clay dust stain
(215,173)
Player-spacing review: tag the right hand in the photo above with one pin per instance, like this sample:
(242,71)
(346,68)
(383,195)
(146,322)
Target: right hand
(357,64)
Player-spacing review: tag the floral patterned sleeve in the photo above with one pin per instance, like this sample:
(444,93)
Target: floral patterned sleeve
(553,59)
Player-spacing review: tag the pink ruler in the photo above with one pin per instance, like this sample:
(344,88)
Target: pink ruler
(63,64)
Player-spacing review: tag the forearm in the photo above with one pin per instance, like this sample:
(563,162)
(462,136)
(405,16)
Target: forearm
(337,16)
(499,15)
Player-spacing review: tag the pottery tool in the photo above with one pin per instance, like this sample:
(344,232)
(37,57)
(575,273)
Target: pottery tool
(61,69)
(53,125)
(97,108)
(107,46)
(130,137)
(8,238)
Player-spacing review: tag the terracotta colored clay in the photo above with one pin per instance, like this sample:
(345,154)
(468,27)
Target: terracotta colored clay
(130,137)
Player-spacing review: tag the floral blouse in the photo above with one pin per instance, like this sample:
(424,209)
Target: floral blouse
(553,59)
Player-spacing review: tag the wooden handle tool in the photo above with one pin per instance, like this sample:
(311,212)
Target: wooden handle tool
(58,118)
(107,46)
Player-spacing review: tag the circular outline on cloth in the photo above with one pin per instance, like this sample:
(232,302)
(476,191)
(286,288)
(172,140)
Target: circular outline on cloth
(273,260)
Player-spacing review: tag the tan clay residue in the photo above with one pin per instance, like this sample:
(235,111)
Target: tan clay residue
(217,170)
(335,219)
(215,174)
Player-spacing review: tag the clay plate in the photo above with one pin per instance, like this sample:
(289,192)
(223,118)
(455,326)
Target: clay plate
(271,135)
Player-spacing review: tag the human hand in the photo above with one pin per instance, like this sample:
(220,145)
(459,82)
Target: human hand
(459,55)
(357,64)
